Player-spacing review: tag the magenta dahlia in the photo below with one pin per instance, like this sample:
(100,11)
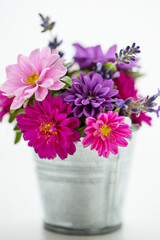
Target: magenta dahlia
(49,129)
(106,133)
(36,74)
(5,104)
(141,118)
(125,85)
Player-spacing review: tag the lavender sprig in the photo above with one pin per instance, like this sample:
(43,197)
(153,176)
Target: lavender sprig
(46,23)
(54,44)
(128,54)
(129,106)
(125,56)
(149,103)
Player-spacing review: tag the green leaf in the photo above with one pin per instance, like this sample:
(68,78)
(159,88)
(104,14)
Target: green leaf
(25,103)
(15,113)
(104,110)
(16,128)
(31,102)
(81,130)
(138,74)
(18,137)
(11,118)
(12,110)
(73,72)
(117,110)
(77,72)
(67,80)
(55,94)
(67,65)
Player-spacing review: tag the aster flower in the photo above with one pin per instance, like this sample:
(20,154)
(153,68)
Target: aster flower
(5,104)
(49,129)
(125,85)
(106,133)
(90,95)
(35,74)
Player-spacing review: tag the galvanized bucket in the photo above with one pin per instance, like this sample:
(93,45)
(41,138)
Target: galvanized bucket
(83,195)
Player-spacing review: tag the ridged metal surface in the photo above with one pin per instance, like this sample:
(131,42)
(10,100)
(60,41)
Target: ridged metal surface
(84,191)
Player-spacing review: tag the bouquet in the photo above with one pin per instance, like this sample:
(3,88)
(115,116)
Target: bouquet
(56,104)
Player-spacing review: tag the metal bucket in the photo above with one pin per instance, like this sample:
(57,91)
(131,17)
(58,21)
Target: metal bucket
(83,195)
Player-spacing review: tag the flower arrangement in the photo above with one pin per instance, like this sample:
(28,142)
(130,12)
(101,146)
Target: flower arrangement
(56,103)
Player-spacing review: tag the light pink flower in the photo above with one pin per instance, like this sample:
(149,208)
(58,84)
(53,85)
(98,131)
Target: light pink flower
(35,74)
(106,133)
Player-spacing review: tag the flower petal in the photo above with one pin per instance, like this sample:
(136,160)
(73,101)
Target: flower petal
(41,93)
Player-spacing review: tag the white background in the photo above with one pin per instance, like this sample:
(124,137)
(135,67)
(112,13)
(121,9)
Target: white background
(89,22)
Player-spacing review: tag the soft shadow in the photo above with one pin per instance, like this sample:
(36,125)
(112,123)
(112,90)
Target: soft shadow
(48,235)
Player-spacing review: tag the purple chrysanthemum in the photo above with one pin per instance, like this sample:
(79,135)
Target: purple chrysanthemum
(90,95)
(49,129)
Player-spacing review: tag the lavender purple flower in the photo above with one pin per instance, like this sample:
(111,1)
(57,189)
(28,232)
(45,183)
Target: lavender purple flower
(149,103)
(46,23)
(94,59)
(54,44)
(124,106)
(127,55)
(90,95)
(127,107)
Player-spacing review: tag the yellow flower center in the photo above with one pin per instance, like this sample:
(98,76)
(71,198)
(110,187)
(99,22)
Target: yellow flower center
(33,78)
(47,128)
(105,130)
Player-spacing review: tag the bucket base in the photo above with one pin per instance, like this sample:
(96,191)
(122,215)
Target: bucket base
(82,232)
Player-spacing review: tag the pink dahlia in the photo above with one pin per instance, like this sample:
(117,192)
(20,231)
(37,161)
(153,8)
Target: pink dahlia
(49,129)
(106,133)
(5,104)
(35,74)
